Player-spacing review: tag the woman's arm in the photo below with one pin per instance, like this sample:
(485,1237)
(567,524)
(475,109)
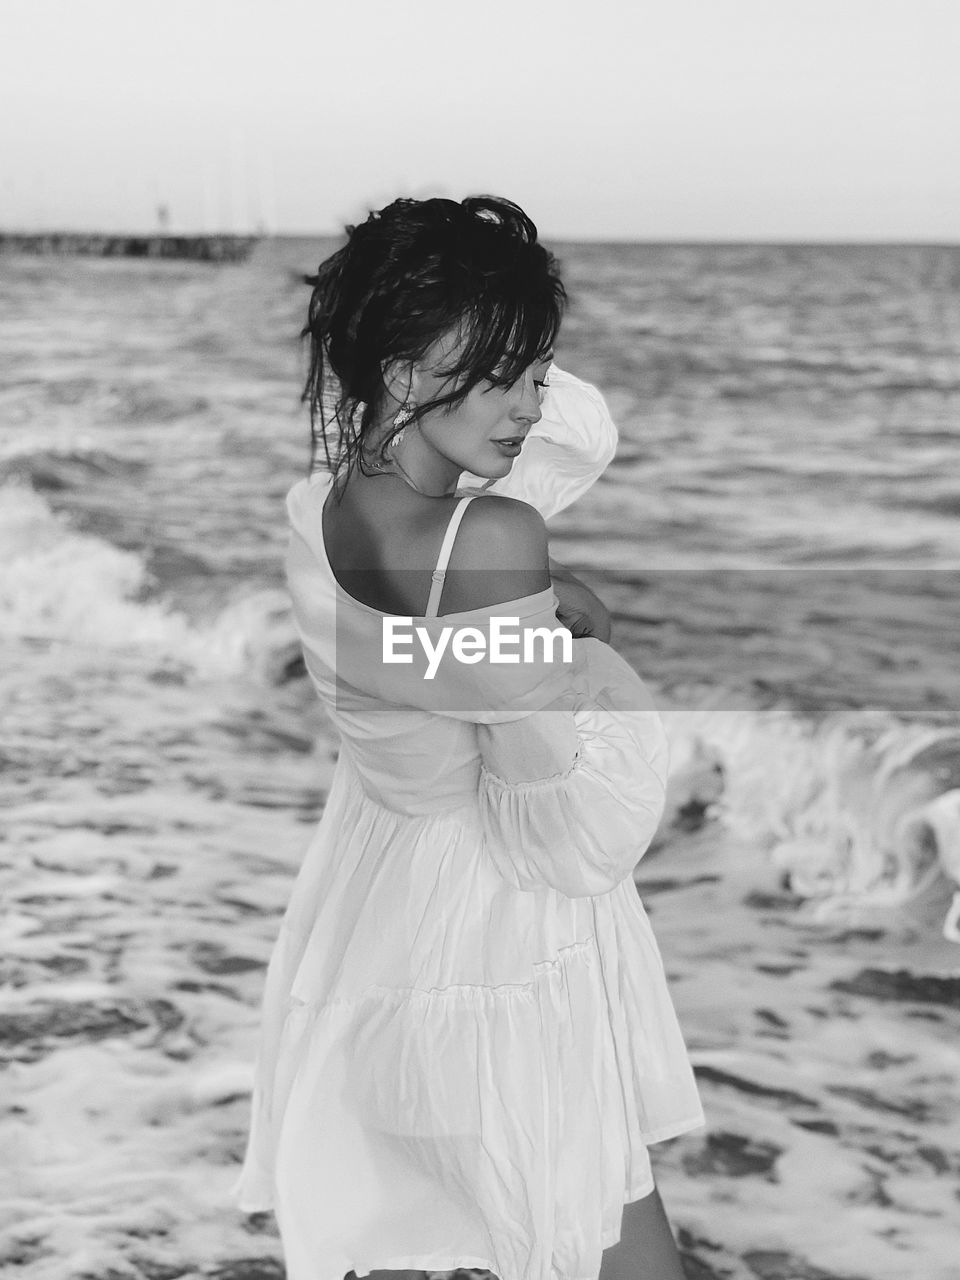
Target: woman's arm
(580,610)
(502,554)
(582,826)
(573,776)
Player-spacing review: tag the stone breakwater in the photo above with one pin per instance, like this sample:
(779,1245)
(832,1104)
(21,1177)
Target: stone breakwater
(195,248)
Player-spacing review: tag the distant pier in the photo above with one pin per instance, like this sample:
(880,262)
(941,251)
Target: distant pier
(194,248)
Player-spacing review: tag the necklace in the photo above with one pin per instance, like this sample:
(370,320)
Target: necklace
(408,480)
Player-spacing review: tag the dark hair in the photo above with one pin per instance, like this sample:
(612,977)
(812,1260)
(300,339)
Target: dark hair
(414,271)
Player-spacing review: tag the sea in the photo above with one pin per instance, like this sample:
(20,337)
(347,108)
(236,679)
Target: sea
(778,542)
(778,538)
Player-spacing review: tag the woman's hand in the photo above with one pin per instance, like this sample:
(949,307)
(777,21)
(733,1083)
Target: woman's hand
(581,611)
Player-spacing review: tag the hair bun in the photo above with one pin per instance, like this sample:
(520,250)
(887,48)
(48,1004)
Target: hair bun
(411,273)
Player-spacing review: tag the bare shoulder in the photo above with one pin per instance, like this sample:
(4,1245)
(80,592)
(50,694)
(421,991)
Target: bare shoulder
(501,531)
(500,553)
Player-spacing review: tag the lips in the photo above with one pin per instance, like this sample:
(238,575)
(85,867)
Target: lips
(510,446)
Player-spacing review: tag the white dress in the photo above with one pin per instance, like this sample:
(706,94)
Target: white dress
(467,1038)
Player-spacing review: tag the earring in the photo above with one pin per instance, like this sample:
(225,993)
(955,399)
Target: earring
(404,414)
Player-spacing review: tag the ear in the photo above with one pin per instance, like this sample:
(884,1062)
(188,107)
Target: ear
(401,378)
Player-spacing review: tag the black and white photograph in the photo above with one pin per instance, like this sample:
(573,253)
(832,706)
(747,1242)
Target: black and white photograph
(479,662)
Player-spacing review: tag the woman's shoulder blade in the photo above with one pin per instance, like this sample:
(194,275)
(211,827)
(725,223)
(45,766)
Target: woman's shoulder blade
(499,554)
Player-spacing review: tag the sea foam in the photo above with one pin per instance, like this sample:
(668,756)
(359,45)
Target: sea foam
(60,585)
(858,812)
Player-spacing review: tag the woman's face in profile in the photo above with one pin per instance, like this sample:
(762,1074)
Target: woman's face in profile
(485,433)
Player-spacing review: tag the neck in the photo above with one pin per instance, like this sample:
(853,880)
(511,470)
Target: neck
(421,466)
(424,465)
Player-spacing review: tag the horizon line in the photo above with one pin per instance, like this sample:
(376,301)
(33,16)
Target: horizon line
(692,241)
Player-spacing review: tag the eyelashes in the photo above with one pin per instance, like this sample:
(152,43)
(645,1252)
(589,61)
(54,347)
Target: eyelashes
(540,385)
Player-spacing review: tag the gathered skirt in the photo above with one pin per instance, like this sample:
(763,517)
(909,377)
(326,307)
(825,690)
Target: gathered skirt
(453,1072)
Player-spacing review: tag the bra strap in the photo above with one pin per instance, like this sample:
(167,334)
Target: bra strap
(440,572)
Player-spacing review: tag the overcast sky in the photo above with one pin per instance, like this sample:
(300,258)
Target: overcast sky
(605,119)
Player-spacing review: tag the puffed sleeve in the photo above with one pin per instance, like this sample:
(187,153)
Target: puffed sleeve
(572,795)
(564,453)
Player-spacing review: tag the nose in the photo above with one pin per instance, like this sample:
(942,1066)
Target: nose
(528,409)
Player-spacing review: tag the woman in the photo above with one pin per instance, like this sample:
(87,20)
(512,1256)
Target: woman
(467,1038)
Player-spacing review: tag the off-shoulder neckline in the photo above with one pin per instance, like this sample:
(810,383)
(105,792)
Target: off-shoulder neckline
(309,482)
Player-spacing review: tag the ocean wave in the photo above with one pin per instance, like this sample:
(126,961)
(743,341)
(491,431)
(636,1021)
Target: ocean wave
(59,585)
(858,812)
(52,468)
(938,504)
